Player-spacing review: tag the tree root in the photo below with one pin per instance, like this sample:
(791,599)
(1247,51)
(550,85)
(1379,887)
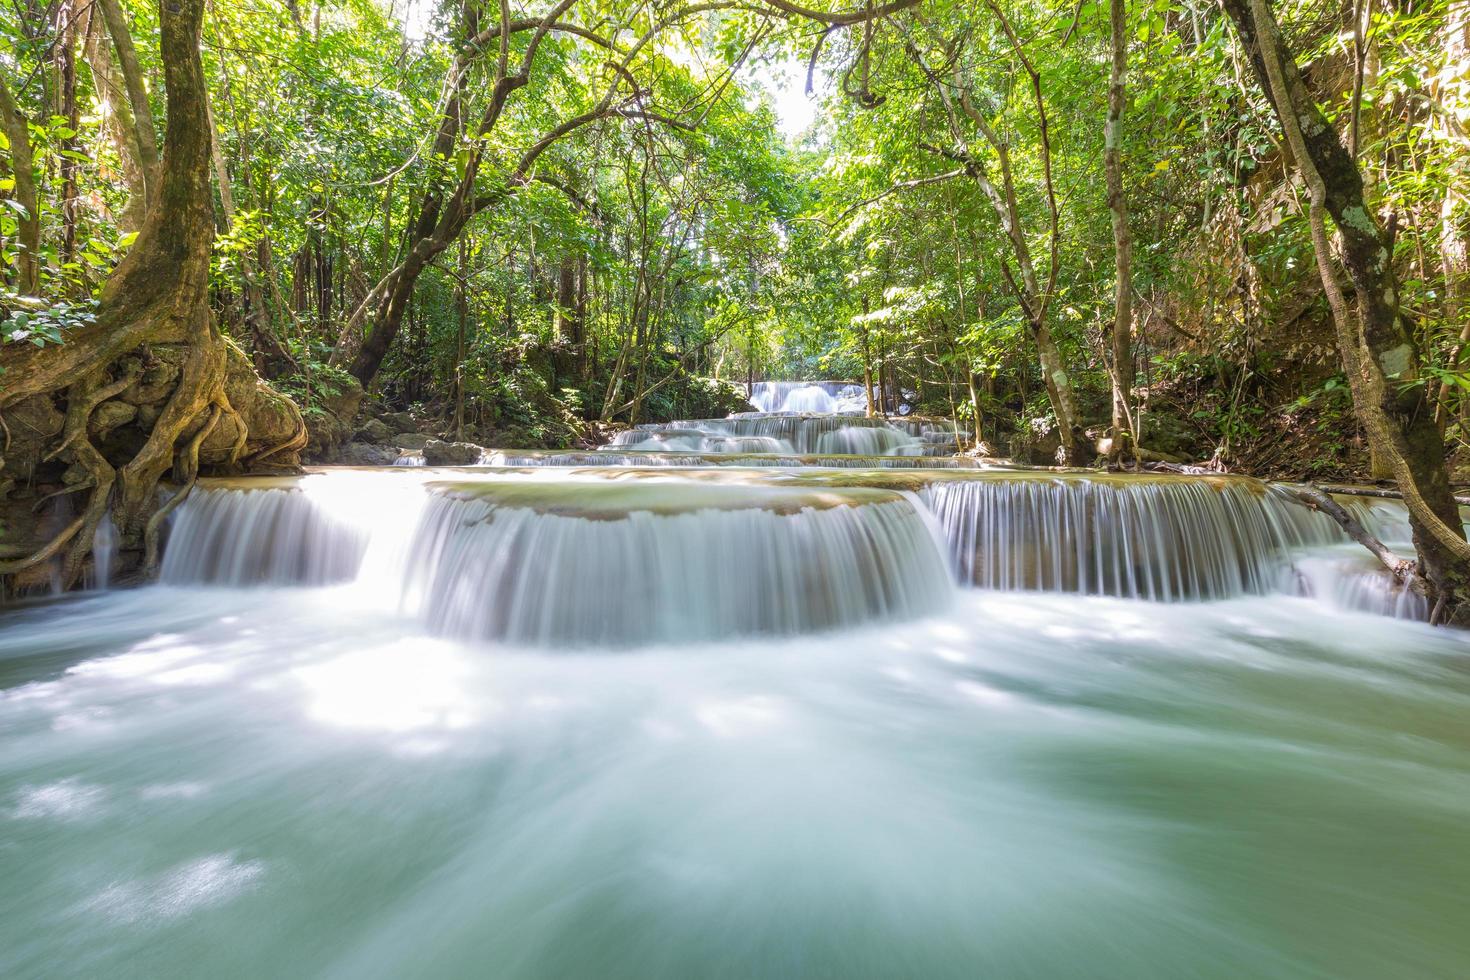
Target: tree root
(50,548)
(190,461)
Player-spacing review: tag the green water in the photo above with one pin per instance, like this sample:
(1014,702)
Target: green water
(285,783)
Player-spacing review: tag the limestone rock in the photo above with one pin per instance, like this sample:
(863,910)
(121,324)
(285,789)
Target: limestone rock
(400,422)
(412,440)
(271,419)
(374,430)
(437,453)
(366,454)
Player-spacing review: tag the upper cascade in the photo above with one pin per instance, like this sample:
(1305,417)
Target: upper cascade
(787,434)
(809,397)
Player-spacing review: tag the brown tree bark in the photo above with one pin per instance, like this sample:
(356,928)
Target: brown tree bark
(116,117)
(158,295)
(146,132)
(1376,343)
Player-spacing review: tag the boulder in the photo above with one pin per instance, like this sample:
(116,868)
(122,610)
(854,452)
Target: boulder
(330,426)
(157,379)
(400,422)
(438,453)
(271,418)
(374,431)
(411,440)
(366,454)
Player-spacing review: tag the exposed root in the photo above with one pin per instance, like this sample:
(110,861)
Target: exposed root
(51,547)
(242,433)
(190,460)
(80,406)
(297,441)
(36,507)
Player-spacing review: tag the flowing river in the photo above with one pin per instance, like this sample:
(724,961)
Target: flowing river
(776,720)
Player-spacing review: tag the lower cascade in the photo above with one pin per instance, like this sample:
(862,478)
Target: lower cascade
(607,555)
(662,715)
(577,563)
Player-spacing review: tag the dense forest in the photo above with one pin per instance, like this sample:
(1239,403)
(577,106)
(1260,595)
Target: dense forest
(238,236)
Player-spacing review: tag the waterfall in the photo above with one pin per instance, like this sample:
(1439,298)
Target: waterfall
(620,456)
(575,563)
(800,434)
(104,552)
(1164,539)
(1354,581)
(867,441)
(808,396)
(486,571)
(251,537)
(560,555)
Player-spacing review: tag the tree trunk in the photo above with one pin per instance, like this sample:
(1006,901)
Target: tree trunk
(158,295)
(145,132)
(1454,254)
(66,108)
(1122,329)
(23,167)
(1377,346)
(116,116)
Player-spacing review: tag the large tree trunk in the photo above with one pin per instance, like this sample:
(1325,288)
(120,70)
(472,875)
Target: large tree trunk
(1377,344)
(157,298)
(1454,252)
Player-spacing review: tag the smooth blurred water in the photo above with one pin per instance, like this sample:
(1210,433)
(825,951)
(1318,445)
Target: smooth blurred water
(292,783)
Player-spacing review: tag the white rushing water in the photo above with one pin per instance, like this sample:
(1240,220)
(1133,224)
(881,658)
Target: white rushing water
(544,719)
(793,434)
(282,782)
(808,396)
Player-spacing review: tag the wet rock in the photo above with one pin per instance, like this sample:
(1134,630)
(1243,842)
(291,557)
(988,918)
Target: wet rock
(412,440)
(437,453)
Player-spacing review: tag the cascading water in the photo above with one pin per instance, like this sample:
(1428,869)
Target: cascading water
(808,396)
(629,457)
(1162,539)
(658,716)
(793,434)
(578,564)
(739,567)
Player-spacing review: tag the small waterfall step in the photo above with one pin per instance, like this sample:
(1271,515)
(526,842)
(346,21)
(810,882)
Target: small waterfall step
(570,555)
(575,562)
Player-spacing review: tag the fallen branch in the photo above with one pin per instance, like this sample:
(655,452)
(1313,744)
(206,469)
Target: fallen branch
(1404,570)
(1376,492)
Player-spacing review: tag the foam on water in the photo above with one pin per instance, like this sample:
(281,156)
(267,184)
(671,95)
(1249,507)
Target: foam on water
(1023,785)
